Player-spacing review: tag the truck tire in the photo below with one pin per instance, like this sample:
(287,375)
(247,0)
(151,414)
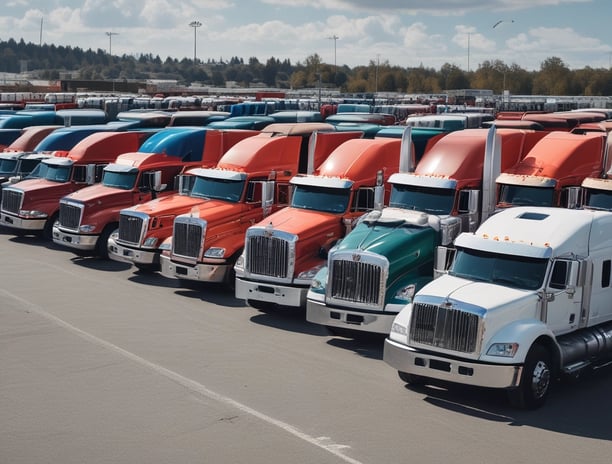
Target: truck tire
(102,243)
(536,380)
(47,232)
(411,379)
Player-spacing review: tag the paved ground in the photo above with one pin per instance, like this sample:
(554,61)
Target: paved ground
(99,364)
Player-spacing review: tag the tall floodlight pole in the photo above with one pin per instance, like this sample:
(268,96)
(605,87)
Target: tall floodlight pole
(469,34)
(334,38)
(110,41)
(195,25)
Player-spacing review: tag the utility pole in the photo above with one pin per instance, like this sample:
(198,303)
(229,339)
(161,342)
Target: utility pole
(195,25)
(334,38)
(469,34)
(110,41)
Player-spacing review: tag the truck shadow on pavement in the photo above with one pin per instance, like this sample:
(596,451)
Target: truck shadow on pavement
(365,344)
(291,320)
(209,292)
(579,407)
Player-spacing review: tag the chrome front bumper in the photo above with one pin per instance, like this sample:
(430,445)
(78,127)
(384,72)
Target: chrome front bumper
(74,240)
(270,292)
(200,272)
(411,361)
(318,313)
(118,252)
(16,222)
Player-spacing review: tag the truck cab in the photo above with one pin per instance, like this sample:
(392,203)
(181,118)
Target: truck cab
(376,269)
(552,172)
(524,302)
(32,205)
(249,183)
(88,217)
(285,250)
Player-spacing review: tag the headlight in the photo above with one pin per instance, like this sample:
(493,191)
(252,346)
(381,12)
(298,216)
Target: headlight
(505,350)
(86,228)
(309,274)
(405,293)
(214,252)
(32,214)
(165,246)
(399,329)
(150,242)
(239,265)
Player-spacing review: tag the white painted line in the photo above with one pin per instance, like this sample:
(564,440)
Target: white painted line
(324,443)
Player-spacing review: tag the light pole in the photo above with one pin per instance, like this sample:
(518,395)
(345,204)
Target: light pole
(110,41)
(334,38)
(469,34)
(195,25)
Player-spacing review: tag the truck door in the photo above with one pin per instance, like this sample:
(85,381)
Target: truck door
(564,296)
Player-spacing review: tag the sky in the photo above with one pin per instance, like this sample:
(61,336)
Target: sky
(405,33)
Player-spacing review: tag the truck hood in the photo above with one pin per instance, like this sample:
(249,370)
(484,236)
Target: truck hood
(42,194)
(301,222)
(217,211)
(482,296)
(172,204)
(34,185)
(406,245)
(315,231)
(97,192)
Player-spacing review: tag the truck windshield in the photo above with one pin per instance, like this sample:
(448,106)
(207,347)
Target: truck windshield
(57,173)
(325,199)
(598,199)
(508,270)
(428,200)
(518,195)
(40,170)
(219,189)
(8,166)
(120,180)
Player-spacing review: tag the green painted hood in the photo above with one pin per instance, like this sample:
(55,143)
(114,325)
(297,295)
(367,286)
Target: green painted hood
(406,238)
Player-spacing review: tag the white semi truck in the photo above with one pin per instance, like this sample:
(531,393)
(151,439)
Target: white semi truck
(525,301)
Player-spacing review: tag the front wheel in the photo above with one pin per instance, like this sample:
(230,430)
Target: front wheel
(102,243)
(47,232)
(536,380)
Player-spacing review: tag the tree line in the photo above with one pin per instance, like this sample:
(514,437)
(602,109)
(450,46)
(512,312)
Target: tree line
(49,62)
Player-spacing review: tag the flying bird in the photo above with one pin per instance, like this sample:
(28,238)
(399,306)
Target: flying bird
(501,21)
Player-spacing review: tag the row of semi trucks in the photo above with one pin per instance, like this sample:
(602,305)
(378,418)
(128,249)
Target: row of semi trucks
(479,253)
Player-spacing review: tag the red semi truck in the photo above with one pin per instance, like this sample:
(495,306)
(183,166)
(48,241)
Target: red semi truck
(250,182)
(284,251)
(32,205)
(89,216)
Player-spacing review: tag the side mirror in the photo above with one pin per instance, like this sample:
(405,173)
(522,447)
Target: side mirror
(90,174)
(443,260)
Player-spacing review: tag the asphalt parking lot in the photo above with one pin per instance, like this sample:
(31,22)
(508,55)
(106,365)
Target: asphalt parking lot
(101,364)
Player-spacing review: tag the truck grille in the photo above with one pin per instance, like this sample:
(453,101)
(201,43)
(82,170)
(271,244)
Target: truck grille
(356,282)
(267,256)
(444,327)
(12,200)
(188,237)
(70,215)
(130,228)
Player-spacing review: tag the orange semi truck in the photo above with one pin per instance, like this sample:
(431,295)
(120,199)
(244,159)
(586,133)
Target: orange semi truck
(251,183)
(552,172)
(229,197)
(89,216)
(32,205)
(283,252)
